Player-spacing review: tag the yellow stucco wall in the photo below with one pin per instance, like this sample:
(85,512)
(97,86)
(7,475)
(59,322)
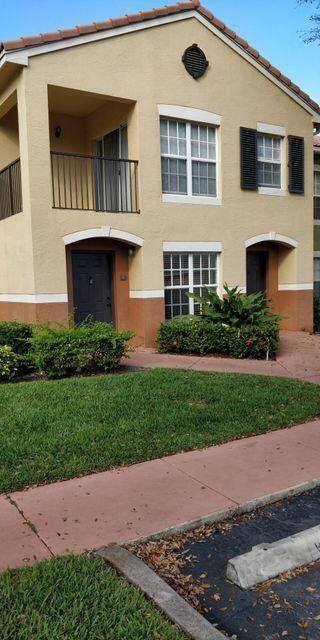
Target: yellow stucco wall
(145,68)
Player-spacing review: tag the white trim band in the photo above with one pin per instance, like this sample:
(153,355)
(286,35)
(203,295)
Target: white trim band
(188,113)
(272,129)
(34,298)
(103,232)
(305,286)
(192,246)
(150,293)
(272,191)
(185,199)
(271,236)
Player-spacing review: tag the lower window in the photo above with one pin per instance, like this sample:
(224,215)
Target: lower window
(316,276)
(187,272)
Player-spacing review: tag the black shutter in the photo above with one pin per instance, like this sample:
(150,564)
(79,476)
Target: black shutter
(248,158)
(296,164)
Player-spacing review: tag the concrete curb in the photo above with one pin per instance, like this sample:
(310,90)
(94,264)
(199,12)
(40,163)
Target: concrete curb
(223,514)
(164,597)
(267,560)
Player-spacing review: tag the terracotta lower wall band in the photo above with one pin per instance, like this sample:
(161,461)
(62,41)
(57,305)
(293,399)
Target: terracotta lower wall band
(144,316)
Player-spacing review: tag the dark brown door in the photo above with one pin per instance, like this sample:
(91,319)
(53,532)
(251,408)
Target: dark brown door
(256,271)
(92,286)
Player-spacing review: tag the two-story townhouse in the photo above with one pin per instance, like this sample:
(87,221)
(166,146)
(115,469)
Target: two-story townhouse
(147,156)
(316,216)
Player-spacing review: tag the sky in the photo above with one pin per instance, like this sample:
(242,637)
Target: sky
(272,27)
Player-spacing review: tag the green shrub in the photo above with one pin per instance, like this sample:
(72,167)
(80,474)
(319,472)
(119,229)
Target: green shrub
(17,335)
(316,314)
(8,363)
(234,308)
(193,335)
(84,348)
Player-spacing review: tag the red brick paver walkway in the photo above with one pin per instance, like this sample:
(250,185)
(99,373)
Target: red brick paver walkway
(299,357)
(123,504)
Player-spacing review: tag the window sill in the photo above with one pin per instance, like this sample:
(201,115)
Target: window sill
(184,199)
(272,191)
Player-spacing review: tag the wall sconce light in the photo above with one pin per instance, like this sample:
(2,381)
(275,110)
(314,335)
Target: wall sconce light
(58,131)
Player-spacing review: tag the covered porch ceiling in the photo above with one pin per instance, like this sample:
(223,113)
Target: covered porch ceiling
(79,103)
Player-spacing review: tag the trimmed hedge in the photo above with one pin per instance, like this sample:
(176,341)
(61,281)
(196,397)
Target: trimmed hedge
(84,348)
(9,362)
(316,314)
(17,335)
(202,337)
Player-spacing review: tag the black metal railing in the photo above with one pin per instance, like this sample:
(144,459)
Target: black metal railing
(92,183)
(10,190)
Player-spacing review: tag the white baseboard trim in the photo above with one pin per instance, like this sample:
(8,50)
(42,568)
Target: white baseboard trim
(27,298)
(304,286)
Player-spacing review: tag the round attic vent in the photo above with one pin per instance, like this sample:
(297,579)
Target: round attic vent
(195,61)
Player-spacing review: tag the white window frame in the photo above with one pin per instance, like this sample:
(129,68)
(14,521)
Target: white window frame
(190,287)
(316,255)
(316,222)
(193,116)
(316,170)
(278,131)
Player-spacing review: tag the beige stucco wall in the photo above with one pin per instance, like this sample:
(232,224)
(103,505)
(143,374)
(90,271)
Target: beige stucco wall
(9,138)
(145,68)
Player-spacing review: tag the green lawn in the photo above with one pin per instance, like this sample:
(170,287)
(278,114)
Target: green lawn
(62,429)
(76,598)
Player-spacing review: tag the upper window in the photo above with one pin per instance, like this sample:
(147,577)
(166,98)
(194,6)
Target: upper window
(188,158)
(269,161)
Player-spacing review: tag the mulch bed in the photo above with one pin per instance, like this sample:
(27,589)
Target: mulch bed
(194,564)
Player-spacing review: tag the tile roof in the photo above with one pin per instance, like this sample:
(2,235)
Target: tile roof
(167,10)
(316,140)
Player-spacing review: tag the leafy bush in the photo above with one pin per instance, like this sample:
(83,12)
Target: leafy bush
(8,363)
(81,349)
(193,335)
(234,309)
(17,335)
(316,314)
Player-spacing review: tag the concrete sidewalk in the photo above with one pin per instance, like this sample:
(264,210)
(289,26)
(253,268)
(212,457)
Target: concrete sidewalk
(123,504)
(299,357)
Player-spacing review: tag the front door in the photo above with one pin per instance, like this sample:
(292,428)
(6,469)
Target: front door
(256,271)
(92,286)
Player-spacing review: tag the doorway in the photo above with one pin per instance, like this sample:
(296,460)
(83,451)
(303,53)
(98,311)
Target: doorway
(92,275)
(111,171)
(257,263)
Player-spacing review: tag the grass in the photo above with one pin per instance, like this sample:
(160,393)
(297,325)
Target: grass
(62,429)
(76,598)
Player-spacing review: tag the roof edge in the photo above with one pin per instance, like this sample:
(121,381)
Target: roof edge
(28,42)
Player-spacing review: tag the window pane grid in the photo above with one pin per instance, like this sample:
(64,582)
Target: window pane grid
(188,158)
(269,161)
(317,183)
(184,273)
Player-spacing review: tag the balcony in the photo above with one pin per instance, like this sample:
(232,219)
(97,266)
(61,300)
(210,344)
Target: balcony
(94,183)
(10,190)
